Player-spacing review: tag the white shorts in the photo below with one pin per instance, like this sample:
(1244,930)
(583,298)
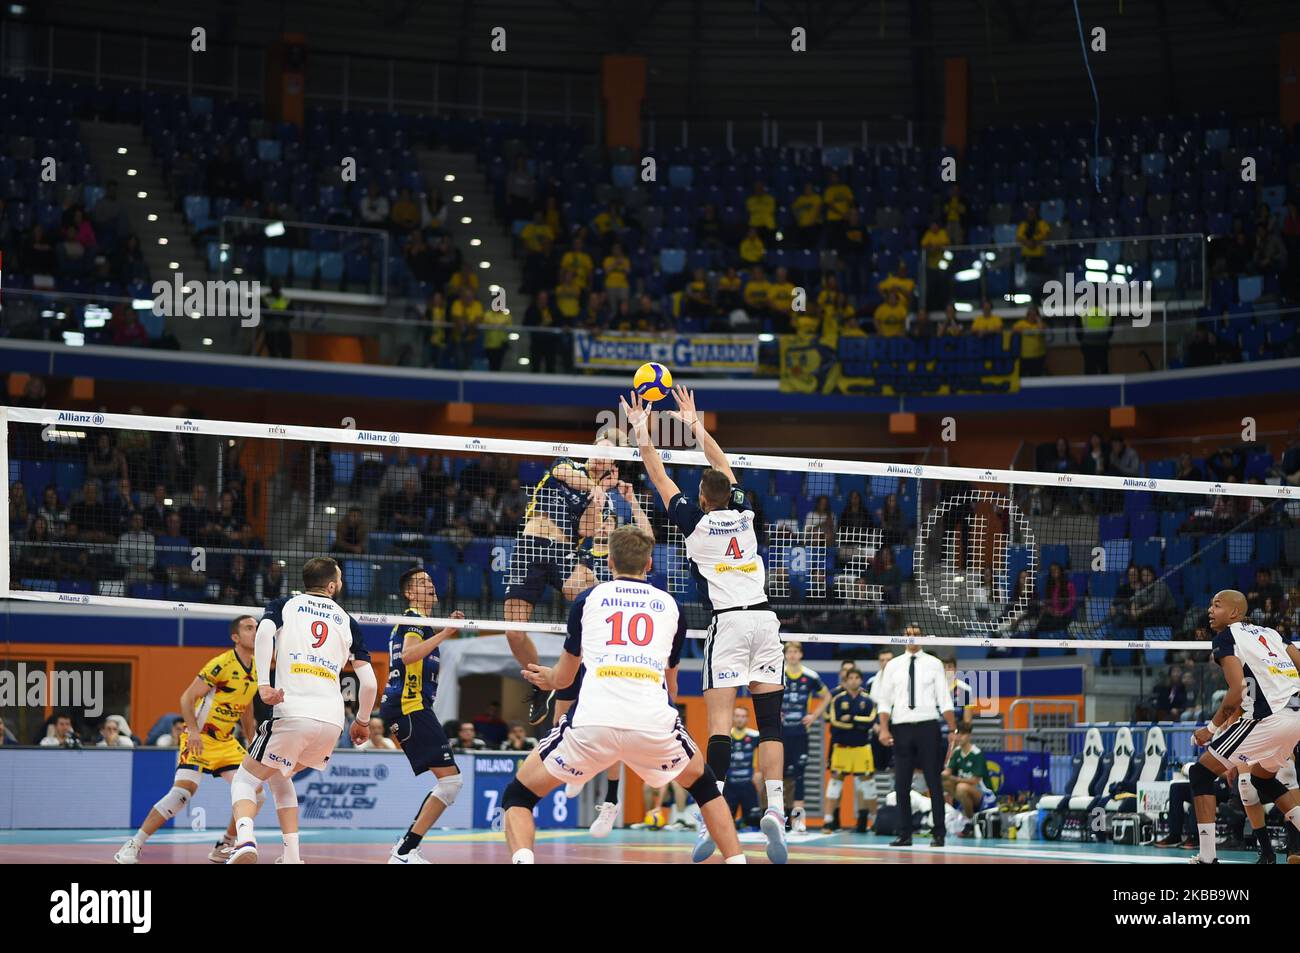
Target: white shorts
(294,742)
(1267,742)
(576,755)
(743,647)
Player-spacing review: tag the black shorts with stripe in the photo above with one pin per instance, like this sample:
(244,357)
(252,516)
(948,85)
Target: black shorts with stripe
(538,562)
(422,739)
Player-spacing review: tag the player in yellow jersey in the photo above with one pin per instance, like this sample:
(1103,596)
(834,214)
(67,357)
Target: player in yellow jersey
(220,697)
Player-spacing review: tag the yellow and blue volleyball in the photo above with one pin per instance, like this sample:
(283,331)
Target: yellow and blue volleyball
(652,382)
(657,819)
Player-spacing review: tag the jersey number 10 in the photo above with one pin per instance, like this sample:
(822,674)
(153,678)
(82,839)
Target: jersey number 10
(640,629)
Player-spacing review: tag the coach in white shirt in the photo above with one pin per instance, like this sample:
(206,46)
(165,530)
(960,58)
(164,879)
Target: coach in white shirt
(912,694)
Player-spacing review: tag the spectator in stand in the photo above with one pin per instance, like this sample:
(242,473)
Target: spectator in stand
(464,277)
(538,239)
(435,345)
(39,257)
(951,327)
(466,324)
(697,298)
(544,346)
(378,740)
(935,242)
(373,208)
(127,329)
(899,278)
(467,739)
(405,215)
(579,262)
(1059,600)
(986,322)
(1153,603)
(37,556)
(173,555)
(853,244)
(1188,470)
(54,513)
(608,224)
(617,267)
(1033,342)
(420,258)
(752,249)
(104,461)
(433,212)
(350,536)
(1031,233)
(155,513)
(123,506)
(757,296)
(485,512)
(1025,593)
(819,523)
(1270,256)
(61,734)
(490,727)
(954,211)
(1226,467)
(135,551)
(837,199)
(1264,591)
(20,520)
(1060,460)
(171,739)
(115,733)
(890,316)
(647,316)
(1124,459)
(239,587)
(891,521)
(128,262)
(517,738)
(496,337)
(1203,350)
(761,206)
(447,260)
(197,519)
(807,210)
(107,214)
(92,516)
(521,191)
(270,583)
(708,229)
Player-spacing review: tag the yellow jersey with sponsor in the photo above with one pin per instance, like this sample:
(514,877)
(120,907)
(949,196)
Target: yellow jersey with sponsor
(723,549)
(628,633)
(231,687)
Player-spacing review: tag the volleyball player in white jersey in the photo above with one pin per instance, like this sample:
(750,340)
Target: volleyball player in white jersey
(1258,722)
(628,634)
(744,640)
(312,638)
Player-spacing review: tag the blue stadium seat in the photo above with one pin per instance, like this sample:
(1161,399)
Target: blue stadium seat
(344,465)
(1169,523)
(848,482)
(1112,526)
(1119,553)
(276,261)
(37,474)
(884,485)
(1143,525)
(358,578)
(68,478)
(305,263)
(1178,550)
(469,583)
(1268,547)
(1053,553)
(777,506)
(1147,553)
(1106,584)
(1241,546)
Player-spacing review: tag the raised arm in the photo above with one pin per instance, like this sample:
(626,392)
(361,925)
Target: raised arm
(637,413)
(712,452)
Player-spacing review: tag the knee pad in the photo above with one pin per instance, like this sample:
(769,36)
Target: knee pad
(1249,796)
(834,787)
(243,786)
(517,795)
(705,788)
(1202,780)
(282,790)
(447,788)
(171,803)
(767,712)
(1267,790)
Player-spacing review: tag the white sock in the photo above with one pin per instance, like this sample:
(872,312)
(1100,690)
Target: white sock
(1209,850)
(140,837)
(1293,816)
(244,830)
(775,795)
(522,856)
(291,848)
(738,859)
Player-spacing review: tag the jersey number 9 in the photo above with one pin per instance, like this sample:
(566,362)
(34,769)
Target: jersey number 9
(319,630)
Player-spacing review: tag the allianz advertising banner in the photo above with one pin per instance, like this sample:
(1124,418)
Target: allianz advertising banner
(622,349)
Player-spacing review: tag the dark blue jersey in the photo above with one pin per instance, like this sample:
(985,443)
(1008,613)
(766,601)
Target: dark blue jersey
(743,748)
(851,718)
(411,687)
(799,692)
(559,502)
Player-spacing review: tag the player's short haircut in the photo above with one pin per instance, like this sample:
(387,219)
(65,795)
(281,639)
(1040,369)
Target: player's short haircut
(714,487)
(405,578)
(798,645)
(853,671)
(234,625)
(319,572)
(630,549)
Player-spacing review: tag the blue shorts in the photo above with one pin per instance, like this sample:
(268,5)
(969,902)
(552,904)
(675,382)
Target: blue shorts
(422,739)
(538,562)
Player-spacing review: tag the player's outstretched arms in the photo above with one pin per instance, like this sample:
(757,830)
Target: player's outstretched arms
(637,414)
(688,415)
(639,517)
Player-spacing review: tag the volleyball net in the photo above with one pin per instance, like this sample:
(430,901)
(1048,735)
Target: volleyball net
(216,518)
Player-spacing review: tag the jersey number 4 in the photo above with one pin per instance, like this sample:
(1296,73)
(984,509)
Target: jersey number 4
(733,549)
(319,630)
(640,629)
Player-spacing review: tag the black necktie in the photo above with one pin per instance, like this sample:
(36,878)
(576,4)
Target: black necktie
(911,683)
